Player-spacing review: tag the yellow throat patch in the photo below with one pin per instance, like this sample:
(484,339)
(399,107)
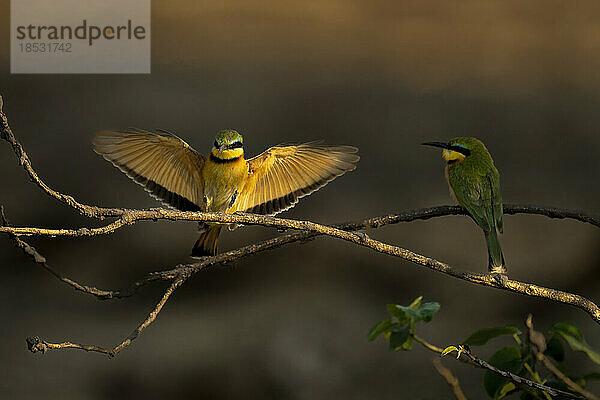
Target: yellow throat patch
(451,155)
(227,154)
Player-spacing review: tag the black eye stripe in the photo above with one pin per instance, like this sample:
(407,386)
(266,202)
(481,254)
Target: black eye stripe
(235,145)
(460,149)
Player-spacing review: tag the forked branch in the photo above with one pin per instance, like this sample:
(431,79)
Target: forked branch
(305,230)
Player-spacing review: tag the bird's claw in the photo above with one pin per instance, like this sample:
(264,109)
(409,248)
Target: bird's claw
(362,236)
(499,277)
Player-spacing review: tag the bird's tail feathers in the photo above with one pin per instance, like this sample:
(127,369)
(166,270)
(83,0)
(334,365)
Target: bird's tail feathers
(206,245)
(496,258)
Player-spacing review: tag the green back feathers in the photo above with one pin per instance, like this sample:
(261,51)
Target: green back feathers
(476,183)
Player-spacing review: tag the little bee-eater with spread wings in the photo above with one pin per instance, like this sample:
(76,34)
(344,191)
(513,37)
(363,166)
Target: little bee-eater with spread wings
(176,174)
(475,183)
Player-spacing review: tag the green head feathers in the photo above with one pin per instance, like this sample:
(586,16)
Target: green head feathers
(471,144)
(460,148)
(228,139)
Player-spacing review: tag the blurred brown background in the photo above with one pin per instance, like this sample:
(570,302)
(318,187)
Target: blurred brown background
(292,323)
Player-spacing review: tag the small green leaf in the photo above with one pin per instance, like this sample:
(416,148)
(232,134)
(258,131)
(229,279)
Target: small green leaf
(424,312)
(406,312)
(416,303)
(397,328)
(505,390)
(415,311)
(379,328)
(482,336)
(400,335)
(400,330)
(506,359)
(397,312)
(573,337)
(427,310)
(555,348)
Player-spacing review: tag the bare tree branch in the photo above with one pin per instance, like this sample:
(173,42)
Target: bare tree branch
(361,239)
(471,358)
(517,379)
(131,216)
(35,344)
(307,230)
(538,345)
(101,294)
(450,379)
(89,211)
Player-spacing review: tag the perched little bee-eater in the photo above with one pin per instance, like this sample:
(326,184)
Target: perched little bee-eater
(174,173)
(475,183)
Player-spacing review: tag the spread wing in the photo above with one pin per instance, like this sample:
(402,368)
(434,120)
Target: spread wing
(283,174)
(167,167)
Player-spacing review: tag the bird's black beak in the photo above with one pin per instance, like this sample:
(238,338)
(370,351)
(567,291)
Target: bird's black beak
(437,144)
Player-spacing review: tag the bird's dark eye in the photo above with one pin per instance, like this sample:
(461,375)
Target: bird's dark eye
(460,149)
(216,144)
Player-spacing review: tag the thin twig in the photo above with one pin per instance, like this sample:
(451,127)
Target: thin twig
(537,379)
(427,345)
(538,345)
(39,259)
(517,379)
(450,379)
(89,211)
(36,344)
(473,359)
